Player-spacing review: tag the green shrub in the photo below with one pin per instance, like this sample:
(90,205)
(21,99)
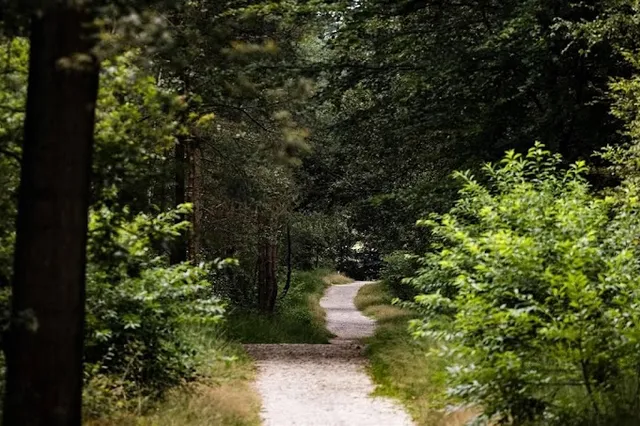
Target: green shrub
(534,288)
(138,307)
(398,266)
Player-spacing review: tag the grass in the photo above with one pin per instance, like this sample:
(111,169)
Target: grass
(298,317)
(400,366)
(336,278)
(222,395)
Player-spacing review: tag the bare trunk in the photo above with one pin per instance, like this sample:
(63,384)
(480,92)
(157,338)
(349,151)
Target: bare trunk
(180,246)
(287,285)
(45,341)
(179,249)
(267,276)
(194,196)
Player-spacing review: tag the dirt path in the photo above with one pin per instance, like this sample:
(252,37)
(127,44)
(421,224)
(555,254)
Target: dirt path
(324,385)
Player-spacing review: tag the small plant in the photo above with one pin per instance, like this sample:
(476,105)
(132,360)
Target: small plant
(534,290)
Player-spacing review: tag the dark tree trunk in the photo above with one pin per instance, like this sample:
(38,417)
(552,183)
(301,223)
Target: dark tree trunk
(194,191)
(287,285)
(267,277)
(45,341)
(179,246)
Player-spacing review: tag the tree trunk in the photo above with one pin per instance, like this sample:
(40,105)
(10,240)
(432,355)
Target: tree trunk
(287,285)
(267,277)
(179,248)
(194,196)
(45,341)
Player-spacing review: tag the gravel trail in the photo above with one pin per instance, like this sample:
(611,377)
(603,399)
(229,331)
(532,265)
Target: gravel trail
(324,385)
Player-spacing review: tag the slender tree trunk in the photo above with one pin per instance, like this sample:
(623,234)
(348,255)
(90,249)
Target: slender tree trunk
(45,340)
(273,276)
(287,285)
(263,280)
(190,196)
(179,248)
(267,276)
(194,196)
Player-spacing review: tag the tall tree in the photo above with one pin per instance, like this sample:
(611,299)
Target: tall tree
(44,348)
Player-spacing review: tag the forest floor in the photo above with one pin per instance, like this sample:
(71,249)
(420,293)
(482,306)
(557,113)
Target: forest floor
(324,384)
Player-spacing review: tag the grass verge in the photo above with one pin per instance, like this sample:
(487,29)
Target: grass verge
(336,278)
(298,317)
(399,365)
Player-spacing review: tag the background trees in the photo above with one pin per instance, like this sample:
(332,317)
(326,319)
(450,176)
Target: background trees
(420,88)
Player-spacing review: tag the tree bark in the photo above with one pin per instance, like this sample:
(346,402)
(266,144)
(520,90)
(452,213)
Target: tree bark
(267,277)
(179,248)
(287,285)
(45,340)
(194,196)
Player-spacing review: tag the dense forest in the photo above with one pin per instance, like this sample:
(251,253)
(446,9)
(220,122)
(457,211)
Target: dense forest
(170,168)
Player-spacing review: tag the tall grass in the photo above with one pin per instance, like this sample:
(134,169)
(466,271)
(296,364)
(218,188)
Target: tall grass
(336,278)
(401,367)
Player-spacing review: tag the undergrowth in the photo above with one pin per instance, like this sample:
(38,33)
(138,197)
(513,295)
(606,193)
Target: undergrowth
(221,394)
(298,317)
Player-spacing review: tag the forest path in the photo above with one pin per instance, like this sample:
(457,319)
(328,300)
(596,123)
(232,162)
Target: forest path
(324,385)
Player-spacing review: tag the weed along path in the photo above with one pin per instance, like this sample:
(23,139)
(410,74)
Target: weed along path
(324,385)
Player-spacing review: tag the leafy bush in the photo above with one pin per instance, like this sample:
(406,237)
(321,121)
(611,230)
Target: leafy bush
(534,287)
(398,266)
(138,306)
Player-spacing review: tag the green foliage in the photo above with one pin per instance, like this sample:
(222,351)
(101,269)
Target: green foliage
(625,159)
(139,308)
(13,62)
(534,288)
(417,89)
(398,266)
(136,126)
(315,238)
